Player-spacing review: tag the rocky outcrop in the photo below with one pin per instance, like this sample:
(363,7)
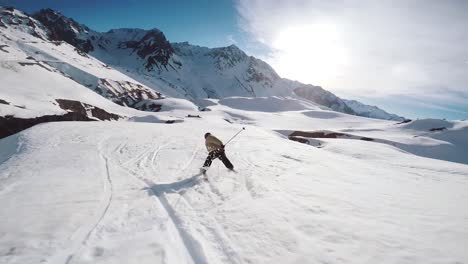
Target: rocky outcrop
(153,47)
(10,125)
(87,110)
(437,129)
(304,136)
(130,94)
(61,28)
(317,134)
(76,111)
(227,57)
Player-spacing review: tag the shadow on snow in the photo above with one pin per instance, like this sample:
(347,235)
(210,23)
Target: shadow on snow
(173,187)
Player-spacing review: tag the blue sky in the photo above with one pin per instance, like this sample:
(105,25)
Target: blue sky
(202,22)
(407,57)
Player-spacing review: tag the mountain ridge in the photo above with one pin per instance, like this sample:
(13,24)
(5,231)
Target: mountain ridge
(183,70)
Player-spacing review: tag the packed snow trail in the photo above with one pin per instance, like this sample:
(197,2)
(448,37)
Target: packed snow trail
(121,192)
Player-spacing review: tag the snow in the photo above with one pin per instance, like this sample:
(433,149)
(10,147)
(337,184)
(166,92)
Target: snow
(117,192)
(265,104)
(175,103)
(428,124)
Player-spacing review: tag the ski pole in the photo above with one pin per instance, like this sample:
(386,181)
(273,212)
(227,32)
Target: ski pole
(234,136)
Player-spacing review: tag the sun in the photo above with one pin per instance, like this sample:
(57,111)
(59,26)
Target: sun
(312,53)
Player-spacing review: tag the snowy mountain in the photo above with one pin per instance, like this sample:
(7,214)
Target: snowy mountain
(371,111)
(178,70)
(313,183)
(39,73)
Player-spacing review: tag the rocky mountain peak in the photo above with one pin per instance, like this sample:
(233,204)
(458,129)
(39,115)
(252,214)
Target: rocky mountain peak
(50,17)
(227,57)
(62,28)
(153,47)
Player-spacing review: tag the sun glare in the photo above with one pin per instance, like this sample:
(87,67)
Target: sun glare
(309,53)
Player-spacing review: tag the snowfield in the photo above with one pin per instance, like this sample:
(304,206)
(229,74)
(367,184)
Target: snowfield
(129,192)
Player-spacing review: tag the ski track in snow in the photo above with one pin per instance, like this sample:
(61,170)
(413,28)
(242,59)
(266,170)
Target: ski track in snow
(81,236)
(108,189)
(199,217)
(148,159)
(190,244)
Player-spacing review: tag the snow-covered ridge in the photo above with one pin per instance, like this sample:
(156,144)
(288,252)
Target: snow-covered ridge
(371,111)
(10,17)
(180,69)
(319,95)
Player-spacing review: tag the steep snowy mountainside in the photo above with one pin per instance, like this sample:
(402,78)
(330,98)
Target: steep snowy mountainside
(149,47)
(34,86)
(371,111)
(189,71)
(76,65)
(10,17)
(44,81)
(180,69)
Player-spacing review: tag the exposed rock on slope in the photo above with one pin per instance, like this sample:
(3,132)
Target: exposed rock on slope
(61,28)
(76,111)
(130,94)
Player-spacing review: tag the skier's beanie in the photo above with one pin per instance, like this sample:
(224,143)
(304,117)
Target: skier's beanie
(207,134)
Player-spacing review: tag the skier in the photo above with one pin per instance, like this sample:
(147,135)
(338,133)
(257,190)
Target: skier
(215,151)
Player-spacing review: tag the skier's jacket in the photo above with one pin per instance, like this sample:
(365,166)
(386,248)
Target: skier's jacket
(212,143)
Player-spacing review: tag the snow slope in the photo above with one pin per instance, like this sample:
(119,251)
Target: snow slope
(125,192)
(432,138)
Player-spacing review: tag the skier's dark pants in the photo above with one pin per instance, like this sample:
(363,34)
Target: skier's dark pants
(218,154)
